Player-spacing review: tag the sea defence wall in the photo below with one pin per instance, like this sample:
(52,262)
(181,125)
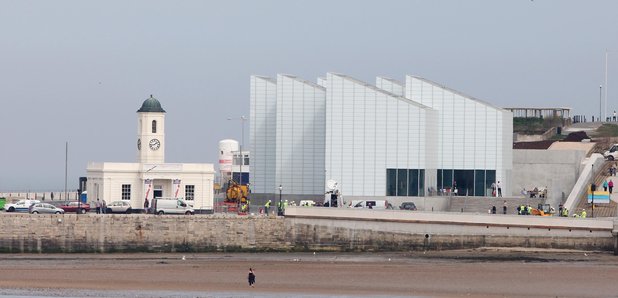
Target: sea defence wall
(302,229)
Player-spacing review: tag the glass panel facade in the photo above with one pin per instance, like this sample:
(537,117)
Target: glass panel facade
(413,180)
(405,182)
(402,182)
(468,182)
(463,181)
(490,177)
(391,182)
(479,183)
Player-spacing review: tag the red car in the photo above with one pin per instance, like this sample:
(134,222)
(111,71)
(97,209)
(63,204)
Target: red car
(75,207)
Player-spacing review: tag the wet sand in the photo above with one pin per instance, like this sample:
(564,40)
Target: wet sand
(472,273)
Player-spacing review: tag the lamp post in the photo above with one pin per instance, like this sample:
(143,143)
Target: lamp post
(600,101)
(592,189)
(242,140)
(279,206)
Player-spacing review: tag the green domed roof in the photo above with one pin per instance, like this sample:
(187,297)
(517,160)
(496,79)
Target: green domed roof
(151,105)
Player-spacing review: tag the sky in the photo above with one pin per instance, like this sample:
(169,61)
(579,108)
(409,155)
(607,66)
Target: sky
(77,71)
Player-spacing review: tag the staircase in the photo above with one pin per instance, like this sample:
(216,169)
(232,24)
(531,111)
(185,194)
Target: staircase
(483,204)
(600,210)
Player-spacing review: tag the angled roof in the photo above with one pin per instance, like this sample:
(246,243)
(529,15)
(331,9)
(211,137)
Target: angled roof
(391,80)
(293,77)
(372,87)
(457,92)
(265,78)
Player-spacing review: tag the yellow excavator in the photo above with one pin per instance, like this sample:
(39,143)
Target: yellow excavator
(236,193)
(543,210)
(235,198)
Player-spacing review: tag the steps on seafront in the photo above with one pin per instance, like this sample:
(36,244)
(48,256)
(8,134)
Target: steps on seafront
(600,210)
(483,204)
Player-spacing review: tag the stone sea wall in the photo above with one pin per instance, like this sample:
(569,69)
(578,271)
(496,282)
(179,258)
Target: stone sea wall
(23,233)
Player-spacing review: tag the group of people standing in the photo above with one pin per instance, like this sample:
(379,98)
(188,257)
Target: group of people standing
(608,185)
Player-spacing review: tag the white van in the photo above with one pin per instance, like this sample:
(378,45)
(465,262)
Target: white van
(371,204)
(172,206)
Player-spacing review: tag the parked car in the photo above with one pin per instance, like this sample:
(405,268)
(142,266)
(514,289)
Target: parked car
(76,207)
(119,207)
(45,208)
(407,206)
(20,206)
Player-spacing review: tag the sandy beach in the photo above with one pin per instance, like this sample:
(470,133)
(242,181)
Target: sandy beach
(471,273)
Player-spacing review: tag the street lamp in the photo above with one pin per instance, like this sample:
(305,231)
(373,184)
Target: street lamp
(280,207)
(242,141)
(592,189)
(600,101)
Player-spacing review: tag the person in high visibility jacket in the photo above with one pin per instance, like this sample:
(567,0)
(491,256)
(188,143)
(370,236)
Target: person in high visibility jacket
(583,215)
(267,206)
(565,212)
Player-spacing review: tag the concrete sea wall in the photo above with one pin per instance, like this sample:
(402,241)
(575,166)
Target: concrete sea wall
(303,229)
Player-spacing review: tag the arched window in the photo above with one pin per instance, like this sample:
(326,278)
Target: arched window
(154,126)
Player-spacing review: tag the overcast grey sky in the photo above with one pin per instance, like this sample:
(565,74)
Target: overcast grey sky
(77,71)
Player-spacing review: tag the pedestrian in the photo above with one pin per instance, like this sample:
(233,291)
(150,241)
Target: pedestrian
(614,116)
(267,206)
(610,185)
(504,208)
(251,277)
(493,189)
(605,185)
(146,205)
(493,209)
(98,206)
(103,207)
(499,186)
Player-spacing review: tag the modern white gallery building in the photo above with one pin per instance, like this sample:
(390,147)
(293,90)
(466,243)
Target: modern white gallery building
(391,139)
(151,177)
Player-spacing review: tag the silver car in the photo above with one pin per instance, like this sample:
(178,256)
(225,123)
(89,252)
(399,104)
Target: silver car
(119,207)
(45,208)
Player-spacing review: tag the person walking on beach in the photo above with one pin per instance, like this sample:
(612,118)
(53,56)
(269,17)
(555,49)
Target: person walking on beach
(251,277)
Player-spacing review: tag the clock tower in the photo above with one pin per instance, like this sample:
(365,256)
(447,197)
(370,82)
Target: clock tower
(151,132)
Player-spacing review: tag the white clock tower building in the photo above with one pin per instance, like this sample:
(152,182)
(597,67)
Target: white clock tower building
(150,177)
(151,132)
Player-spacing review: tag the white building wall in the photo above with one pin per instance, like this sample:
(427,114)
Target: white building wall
(105,182)
(390,85)
(263,128)
(300,133)
(472,133)
(369,130)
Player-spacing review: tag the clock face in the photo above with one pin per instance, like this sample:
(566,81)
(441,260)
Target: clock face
(139,144)
(154,144)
